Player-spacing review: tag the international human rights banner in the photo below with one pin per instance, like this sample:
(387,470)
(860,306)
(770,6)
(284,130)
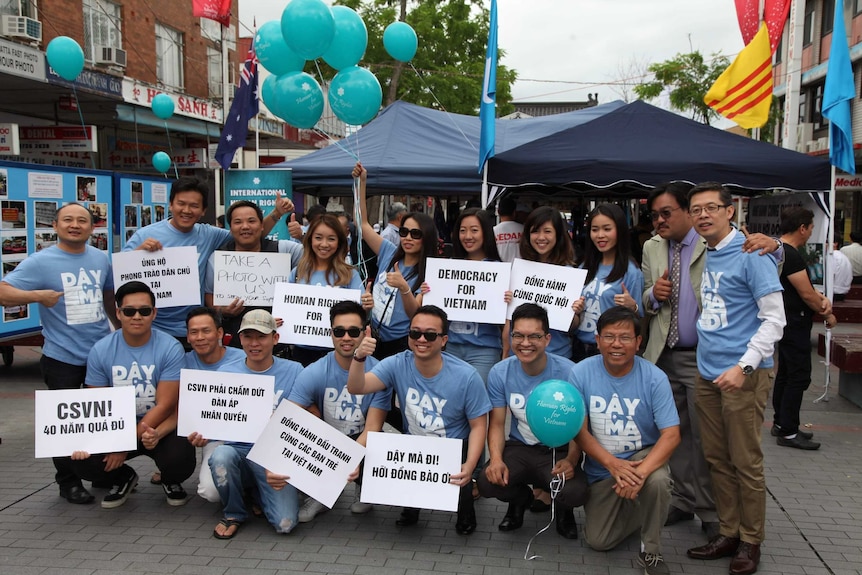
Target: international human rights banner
(468,290)
(553,287)
(411,471)
(95,420)
(249,276)
(223,405)
(317,457)
(305,311)
(172,274)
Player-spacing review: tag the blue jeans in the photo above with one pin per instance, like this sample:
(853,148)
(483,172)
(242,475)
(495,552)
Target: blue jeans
(232,471)
(482,358)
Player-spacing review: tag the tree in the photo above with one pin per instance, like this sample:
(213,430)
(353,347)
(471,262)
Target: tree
(685,78)
(629,74)
(450,58)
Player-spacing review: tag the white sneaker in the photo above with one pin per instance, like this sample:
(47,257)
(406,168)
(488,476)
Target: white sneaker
(311,509)
(357,506)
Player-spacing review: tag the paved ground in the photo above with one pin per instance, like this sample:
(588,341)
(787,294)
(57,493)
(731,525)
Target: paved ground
(814,514)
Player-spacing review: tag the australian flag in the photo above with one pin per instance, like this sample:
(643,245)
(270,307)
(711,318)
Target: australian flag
(244,107)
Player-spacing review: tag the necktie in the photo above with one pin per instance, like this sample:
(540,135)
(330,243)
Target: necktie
(673,330)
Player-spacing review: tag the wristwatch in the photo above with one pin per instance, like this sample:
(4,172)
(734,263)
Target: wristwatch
(357,358)
(746,369)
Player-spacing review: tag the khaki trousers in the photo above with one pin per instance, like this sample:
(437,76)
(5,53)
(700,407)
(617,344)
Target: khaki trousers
(731,424)
(610,518)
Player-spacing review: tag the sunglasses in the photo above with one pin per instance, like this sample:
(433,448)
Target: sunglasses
(430,336)
(415,233)
(145,311)
(351,331)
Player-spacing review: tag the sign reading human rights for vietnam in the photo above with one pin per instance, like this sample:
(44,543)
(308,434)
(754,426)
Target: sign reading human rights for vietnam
(305,311)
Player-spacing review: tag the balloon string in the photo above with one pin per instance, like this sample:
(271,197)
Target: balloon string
(83,126)
(442,107)
(558,481)
(357,219)
(171,148)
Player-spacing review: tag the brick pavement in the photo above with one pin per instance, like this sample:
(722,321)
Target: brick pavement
(814,515)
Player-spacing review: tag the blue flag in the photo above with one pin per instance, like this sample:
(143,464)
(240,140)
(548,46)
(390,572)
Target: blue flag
(488,106)
(837,96)
(243,108)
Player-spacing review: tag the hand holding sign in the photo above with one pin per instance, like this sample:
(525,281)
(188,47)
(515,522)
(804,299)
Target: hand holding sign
(235,308)
(275,480)
(150,245)
(578,305)
(663,288)
(197,439)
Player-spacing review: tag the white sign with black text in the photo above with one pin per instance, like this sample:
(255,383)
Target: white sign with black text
(172,274)
(468,290)
(305,311)
(553,287)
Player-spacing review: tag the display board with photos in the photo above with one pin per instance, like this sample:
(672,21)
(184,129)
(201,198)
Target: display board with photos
(143,200)
(29,197)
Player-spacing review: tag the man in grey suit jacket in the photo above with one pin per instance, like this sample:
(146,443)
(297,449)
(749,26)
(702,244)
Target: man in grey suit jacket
(671,301)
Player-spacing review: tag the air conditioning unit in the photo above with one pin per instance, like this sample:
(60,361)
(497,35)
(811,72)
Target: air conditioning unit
(22,27)
(110,56)
(823,143)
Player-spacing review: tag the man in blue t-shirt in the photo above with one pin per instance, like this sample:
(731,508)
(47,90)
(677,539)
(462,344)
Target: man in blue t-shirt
(72,283)
(149,360)
(232,472)
(629,434)
(522,460)
(321,388)
(188,203)
(440,396)
(742,319)
(204,333)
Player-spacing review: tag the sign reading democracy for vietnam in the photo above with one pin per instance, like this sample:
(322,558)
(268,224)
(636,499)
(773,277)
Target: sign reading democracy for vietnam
(172,274)
(553,287)
(317,457)
(249,276)
(222,405)
(468,290)
(95,420)
(411,471)
(305,311)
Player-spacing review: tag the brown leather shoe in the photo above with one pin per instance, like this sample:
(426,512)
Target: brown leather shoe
(718,547)
(746,559)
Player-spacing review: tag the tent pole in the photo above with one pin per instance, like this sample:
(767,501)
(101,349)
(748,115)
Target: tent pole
(828,284)
(485,186)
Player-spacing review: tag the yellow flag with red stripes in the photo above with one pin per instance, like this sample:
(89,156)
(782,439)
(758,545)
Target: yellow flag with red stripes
(743,92)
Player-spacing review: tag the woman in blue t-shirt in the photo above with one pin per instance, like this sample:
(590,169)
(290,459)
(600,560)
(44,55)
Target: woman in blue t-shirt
(613,278)
(323,263)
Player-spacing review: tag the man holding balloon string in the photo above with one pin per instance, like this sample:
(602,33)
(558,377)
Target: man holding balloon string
(631,430)
(528,457)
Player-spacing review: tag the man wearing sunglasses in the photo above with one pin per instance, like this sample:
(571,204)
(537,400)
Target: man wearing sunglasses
(321,388)
(72,284)
(150,360)
(742,320)
(440,396)
(522,461)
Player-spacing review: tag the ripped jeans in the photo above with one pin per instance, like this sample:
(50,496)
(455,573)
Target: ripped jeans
(232,472)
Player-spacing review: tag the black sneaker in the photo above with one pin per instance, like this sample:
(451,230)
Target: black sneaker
(120,492)
(798,442)
(778,432)
(175,495)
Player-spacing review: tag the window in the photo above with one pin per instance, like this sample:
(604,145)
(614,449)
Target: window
(102,22)
(779,49)
(808,28)
(816,116)
(169,56)
(214,73)
(19,8)
(803,106)
(857,6)
(828,16)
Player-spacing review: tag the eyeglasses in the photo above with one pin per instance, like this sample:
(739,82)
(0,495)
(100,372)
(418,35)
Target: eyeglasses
(623,339)
(708,208)
(414,233)
(665,213)
(533,337)
(351,331)
(430,336)
(145,311)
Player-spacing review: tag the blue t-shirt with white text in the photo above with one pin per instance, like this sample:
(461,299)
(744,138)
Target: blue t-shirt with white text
(599,297)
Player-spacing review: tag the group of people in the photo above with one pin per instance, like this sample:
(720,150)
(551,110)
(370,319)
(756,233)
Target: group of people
(668,435)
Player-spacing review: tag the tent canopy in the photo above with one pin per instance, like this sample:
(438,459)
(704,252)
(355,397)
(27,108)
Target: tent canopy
(409,149)
(637,146)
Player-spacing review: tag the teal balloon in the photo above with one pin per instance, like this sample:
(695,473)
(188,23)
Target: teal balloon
(400,41)
(268,94)
(273,52)
(163,106)
(355,96)
(161,162)
(350,40)
(555,412)
(299,99)
(65,57)
(308,27)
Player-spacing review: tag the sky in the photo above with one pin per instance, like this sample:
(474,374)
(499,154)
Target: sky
(566,49)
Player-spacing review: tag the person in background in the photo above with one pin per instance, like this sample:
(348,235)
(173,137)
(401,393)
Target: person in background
(394,218)
(507,234)
(842,273)
(854,254)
